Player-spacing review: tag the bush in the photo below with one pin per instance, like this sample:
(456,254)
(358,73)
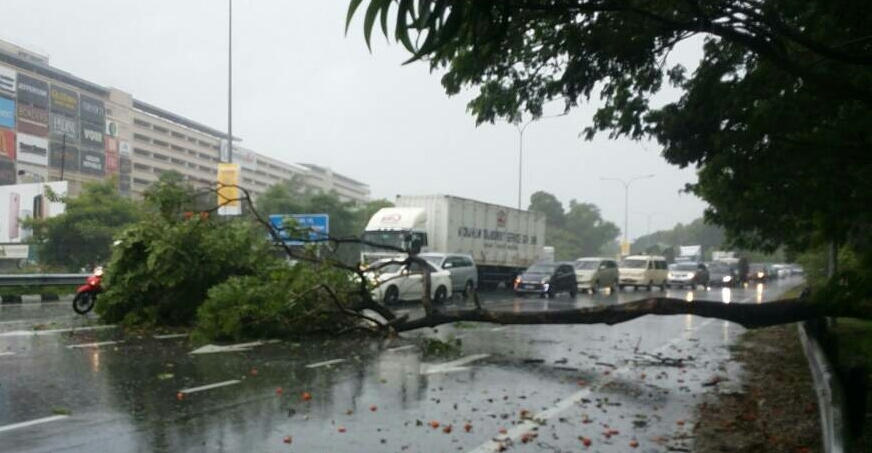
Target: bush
(279,303)
(161,271)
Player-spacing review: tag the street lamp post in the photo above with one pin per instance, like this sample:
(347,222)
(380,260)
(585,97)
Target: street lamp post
(627,202)
(230,81)
(521,128)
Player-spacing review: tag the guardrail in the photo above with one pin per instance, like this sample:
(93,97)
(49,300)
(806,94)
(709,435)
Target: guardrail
(42,279)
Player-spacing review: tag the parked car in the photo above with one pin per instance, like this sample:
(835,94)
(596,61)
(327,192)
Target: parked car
(759,273)
(395,282)
(688,274)
(547,279)
(595,273)
(723,275)
(464,273)
(643,270)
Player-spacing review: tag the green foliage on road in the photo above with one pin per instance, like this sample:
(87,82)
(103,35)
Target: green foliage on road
(281,302)
(575,233)
(81,237)
(775,117)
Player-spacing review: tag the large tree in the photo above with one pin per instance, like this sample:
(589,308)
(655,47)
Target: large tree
(579,232)
(774,118)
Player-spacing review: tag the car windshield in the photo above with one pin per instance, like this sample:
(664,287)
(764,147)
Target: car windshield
(634,264)
(758,267)
(719,267)
(586,265)
(542,268)
(383,268)
(432,259)
(685,267)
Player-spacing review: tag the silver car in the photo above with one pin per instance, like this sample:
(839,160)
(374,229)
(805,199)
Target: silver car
(464,273)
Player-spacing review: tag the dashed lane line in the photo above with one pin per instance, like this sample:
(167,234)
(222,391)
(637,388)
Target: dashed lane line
(325,363)
(32,422)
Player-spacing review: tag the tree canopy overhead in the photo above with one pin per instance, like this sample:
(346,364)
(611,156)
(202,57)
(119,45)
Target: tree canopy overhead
(775,117)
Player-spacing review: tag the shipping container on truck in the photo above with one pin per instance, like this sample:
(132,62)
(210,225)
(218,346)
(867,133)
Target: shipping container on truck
(503,241)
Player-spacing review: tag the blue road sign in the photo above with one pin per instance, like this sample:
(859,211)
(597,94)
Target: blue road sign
(309,227)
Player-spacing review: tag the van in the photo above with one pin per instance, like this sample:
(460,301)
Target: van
(594,273)
(643,271)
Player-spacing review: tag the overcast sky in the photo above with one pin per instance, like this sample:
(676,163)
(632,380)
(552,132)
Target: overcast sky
(304,92)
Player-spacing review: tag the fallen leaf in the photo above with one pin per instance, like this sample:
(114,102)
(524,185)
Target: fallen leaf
(306,396)
(434,424)
(341,429)
(278,390)
(288,439)
(253,372)
(503,431)
(446,429)
(634,443)
(467,427)
(373,408)
(585,440)
(180,396)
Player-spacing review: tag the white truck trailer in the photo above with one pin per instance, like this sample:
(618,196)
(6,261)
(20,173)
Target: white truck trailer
(502,241)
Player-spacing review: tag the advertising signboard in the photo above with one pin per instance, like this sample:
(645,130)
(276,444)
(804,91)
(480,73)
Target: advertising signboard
(92,162)
(228,193)
(21,201)
(308,228)
(7,144)
(61,126)
(69,159)
(111,128)
(33,150)
(7,113)
(8,175)
(64,101)
(32,120)
(7,82)
(92,110)
(246,158)
(124,148)
(111,162)
(32,91)
(92,135)
(125,165)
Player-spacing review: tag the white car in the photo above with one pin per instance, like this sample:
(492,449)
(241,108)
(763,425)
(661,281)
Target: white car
(395,282)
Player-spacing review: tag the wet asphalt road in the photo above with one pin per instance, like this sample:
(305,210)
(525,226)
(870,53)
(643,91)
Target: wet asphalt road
(522,388)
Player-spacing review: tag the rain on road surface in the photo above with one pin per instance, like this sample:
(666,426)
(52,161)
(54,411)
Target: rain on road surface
(76,386)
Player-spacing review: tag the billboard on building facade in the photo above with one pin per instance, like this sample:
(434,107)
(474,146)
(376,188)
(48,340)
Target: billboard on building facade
(7,144)
(92,162)
(92,135)
(32,120)
(23,201)
(64,101)
(7,113)
(246,158)
(33,150)
(63,126)
(92,110)
(7,81)
(32,91)
(68,159)
(8,174)
(111,162)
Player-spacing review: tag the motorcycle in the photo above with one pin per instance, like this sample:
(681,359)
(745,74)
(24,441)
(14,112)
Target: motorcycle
(86,295)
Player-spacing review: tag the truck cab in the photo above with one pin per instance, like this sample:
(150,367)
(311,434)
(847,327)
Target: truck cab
(394,232)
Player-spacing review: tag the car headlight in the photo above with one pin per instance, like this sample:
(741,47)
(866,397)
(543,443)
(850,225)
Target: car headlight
(546,281)
(760,275)
(727,279)
(691,275)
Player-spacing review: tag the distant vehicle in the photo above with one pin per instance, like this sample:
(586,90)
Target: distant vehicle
(547,279)
(781,270)
(643,270)
(796,269)
(464,273)
(688,274)
(595,273)
(759,273)
(723,275)
(395,282)
(503,241)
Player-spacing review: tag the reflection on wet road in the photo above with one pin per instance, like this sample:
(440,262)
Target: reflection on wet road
(82,387)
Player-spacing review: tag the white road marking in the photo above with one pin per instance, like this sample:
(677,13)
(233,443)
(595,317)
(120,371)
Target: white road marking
(93,345)
(400,348)
(497,329)
(32,422)
(170,336)
(27,333)
(6,353)
(209,386)
(325,363)
(212,349)
(452,366)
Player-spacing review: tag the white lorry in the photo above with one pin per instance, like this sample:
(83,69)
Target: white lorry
(503,241)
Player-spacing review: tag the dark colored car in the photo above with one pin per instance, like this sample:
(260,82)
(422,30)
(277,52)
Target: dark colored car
(759,273)
(547,279)
(723,275)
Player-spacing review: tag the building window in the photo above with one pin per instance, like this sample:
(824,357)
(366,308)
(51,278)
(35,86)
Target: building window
(141,123)
(160,143)
(141,138)
(160,129)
